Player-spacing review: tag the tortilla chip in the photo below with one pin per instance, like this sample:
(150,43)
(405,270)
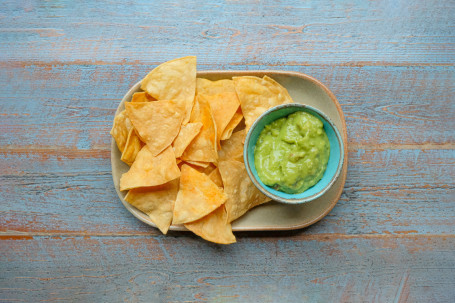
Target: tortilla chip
(202,167)
(207,170)
(198,168)
(215,176)
(173,80)
(213,227)
(120,129)
(198,163)
(132,147)
(148,170)
(232,149)
(157,202)
(203,147)
(186,135)
(223,106)
(198,196)
(142,97)
(257,95)
(241,193)
(207,87)
(157,123)
(235,121)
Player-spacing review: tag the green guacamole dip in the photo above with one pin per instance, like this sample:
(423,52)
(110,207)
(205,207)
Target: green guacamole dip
(291,153)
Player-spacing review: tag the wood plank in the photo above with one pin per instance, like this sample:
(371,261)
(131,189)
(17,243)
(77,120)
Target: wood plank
(64,235)
(272,33)
(72,106)
(387,191)
(264,269)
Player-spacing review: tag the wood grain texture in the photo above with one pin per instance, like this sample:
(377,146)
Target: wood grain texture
(187,269)
(387,191)
(65,236)
(239,32)
(72,106)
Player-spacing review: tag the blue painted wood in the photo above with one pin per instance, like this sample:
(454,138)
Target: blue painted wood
(229,32)
(72,106)
(65,65)
(386,191)
(256,269)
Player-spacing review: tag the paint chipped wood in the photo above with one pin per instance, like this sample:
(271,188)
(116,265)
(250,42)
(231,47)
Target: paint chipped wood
(64,235)
(269,269)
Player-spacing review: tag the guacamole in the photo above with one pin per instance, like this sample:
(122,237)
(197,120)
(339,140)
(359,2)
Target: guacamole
(291,153)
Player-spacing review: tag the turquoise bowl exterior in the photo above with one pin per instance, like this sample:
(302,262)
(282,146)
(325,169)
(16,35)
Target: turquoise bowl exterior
(334,165)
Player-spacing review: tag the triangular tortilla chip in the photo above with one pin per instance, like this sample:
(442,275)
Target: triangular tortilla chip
(157,123)
(232,149)
(198,163)
(257,95)
(207,170)
(173,80)
(142,97)
(186,135)
(223,106)
(213,227)
(120,129)
(157,202)
(203,147)
(197,197)
(241,192)
(132,147)
(215,176)
(238,116)
(207,87)
(196,167)
(148,170)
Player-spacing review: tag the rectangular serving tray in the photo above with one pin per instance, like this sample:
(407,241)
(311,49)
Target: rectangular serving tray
(273,215)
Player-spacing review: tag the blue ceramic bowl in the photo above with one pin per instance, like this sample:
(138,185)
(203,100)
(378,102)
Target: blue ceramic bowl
(333,166)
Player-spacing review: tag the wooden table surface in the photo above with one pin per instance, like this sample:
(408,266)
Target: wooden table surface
(65,236)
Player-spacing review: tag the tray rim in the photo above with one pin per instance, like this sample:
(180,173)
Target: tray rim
(229,74)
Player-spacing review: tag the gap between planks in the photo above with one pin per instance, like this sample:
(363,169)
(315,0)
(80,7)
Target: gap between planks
(241,234)
(12,64)
(104,152)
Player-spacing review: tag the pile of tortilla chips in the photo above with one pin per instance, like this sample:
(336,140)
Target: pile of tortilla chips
(186,161)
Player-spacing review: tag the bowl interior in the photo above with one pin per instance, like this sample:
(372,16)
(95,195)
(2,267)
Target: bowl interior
(333,166)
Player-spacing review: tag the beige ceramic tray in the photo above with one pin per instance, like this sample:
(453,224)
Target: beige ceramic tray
(270,216)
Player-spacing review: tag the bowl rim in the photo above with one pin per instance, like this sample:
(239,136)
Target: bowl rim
(299,107)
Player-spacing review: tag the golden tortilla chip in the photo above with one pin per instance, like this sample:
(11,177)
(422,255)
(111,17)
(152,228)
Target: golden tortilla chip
(202,167)
(186,135)
(241,193)
(142,97)
(157,123)
(198,196)
(207,170)
(232,149)
(203,147)
(223,107)
(207,87)
(198,163)
(235,121)
(157,202)
(148,170)
(120,129)
(213,227)
(215,176)
(173,80)
(132,147)
(257,95)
